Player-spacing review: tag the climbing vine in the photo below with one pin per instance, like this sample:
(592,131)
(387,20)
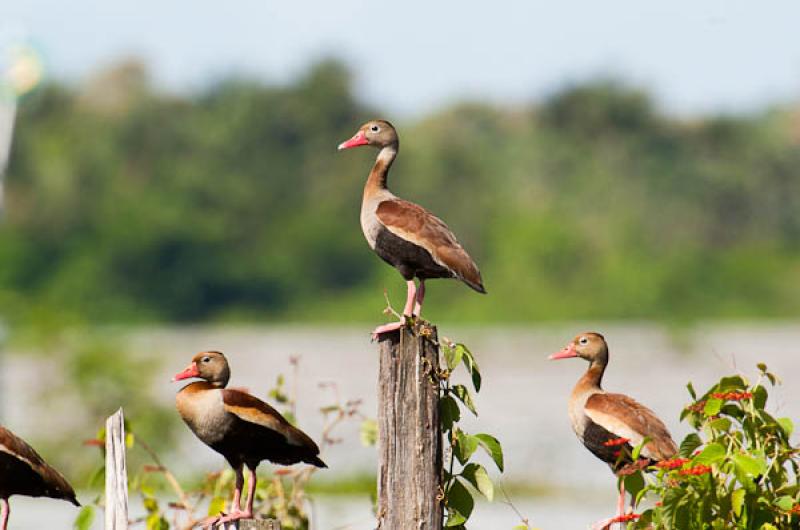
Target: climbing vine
(462,474)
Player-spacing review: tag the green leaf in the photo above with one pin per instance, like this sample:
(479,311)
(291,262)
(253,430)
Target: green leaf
(785,503)
(720,424)
(692,393)
(492,446)
(150,504)
(712,454)
(767,526)
(638,449)
(760,397)
(737,502)
(787,425)
(689,444)
(217,506)
(452,356)
(749,465)
(733,382)
(634,483)
(712,407)
(84,519)
(462,393)
(129,440)
(472,367)
(156,522)
(465,446)
(449,413)
(476,475)
(368,432)
(460,501)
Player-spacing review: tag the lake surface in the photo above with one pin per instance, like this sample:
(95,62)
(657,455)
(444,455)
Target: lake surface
(523,401)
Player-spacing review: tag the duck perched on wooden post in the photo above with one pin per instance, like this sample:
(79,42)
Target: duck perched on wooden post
(24,472)
(239,426)
(407,236)
(611,425)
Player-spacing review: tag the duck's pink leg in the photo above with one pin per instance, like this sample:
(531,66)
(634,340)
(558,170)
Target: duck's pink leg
(420,298)
(411,296)
(237,513)
(5,511)
(236,506)
(605,524)
(251,493)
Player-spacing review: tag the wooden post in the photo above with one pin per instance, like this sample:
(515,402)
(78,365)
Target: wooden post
(116,474)
(409,432)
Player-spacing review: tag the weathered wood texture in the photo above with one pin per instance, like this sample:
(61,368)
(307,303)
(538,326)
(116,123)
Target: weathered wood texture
(252,524)
(116,474)
(409,433)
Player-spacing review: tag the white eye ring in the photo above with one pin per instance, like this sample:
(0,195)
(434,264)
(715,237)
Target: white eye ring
(583,341)
(375,128)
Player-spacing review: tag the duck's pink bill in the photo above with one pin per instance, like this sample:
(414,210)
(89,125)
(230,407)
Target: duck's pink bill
(190,371)
(359,139)
(566,353)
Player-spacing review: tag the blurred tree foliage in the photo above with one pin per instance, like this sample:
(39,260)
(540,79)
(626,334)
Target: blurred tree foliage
(126,204)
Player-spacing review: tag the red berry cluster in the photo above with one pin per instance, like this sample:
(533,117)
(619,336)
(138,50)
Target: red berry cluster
(795,509)
(615,441)
(732,396)
(674,463)
(697,407)
(624,518)
(699,469)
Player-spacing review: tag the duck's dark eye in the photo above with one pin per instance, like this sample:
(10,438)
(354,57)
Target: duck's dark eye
(206,359)
(375,128)
(583,341)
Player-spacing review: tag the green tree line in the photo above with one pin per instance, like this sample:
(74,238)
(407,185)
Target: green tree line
(128,204)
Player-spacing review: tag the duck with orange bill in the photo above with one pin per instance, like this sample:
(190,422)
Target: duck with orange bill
(24,472)
(611,425)
(239,426)
(406,236)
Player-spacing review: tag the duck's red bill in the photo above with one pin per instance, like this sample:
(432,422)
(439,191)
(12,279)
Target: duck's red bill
(359,139)
(566,353)
(190,371)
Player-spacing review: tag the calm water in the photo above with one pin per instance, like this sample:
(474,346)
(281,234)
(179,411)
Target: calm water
(523,401)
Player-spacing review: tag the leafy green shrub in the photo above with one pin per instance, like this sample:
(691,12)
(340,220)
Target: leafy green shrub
(737,470)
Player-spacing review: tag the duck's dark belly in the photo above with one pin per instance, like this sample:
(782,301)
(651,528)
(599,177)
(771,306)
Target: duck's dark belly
(595,438)
(410,259)
(17,478)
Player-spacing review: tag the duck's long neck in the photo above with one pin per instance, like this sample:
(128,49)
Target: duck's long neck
(380,171)
(593,377)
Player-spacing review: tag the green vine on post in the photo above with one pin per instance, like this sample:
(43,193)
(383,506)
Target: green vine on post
(462,475)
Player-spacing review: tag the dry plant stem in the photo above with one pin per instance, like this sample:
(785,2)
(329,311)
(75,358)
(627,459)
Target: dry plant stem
(173,482)
(389,308)
(508,502)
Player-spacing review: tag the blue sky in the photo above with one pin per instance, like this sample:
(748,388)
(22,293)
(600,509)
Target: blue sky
(409,57)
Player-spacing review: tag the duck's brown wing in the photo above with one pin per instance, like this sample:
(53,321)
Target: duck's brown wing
(420,227)
(44,480)
(252,410)
(626,418)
